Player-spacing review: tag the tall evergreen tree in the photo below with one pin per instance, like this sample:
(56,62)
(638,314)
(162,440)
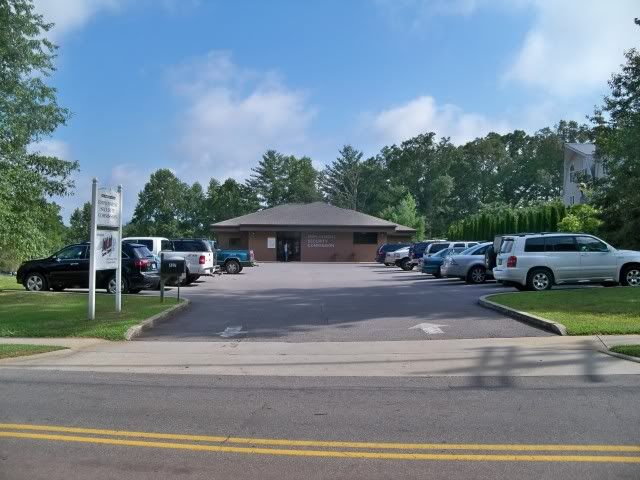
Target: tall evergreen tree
(343,182)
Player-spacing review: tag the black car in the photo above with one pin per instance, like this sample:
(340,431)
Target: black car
(388,247)
(69,268)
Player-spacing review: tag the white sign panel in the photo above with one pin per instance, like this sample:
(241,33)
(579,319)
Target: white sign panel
(105,250)
(108,211)
(271,242)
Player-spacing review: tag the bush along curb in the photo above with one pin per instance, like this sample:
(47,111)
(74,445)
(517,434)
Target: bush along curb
(525,317)
(137,330)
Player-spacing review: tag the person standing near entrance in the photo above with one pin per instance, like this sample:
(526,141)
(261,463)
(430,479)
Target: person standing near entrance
(286,251)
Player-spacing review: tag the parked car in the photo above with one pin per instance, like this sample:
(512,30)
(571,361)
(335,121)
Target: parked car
(539,261)
(198,255)
(399,258)
(417,250)
(388,247)
(433,264)
(69,268)
(435,247)
(468,265)
(234,260)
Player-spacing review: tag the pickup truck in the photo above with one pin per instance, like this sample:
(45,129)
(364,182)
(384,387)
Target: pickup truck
(200,259)
(231,260)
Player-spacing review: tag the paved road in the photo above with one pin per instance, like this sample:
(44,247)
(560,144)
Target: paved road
(455,411)
(338,302)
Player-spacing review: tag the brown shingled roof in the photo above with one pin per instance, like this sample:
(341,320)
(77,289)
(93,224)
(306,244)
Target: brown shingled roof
(317,214)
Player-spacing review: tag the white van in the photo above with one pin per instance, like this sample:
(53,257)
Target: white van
(154,244)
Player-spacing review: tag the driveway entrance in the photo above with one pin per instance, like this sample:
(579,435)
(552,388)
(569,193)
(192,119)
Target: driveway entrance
(307,302)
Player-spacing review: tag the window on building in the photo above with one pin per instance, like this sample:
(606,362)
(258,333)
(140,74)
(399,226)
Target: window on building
(235,242)
(367,238)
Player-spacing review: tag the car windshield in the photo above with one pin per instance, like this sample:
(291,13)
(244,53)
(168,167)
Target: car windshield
(442,253)
(141,251)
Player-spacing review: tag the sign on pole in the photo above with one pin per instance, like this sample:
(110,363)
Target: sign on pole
(105,240)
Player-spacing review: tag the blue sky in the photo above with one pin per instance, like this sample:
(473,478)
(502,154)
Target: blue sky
(204,87)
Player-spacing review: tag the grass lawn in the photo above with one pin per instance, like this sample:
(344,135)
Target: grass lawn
(584,311)
(8,282)
(27,314)
(19,350)
(631,350)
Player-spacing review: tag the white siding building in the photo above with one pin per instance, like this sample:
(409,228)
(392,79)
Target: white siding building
(579,158)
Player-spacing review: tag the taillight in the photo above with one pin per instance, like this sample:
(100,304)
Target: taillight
(202,260)
(141,262)
(512,261)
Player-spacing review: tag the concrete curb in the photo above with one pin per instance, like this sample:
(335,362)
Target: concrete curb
(621,355)
(525,317)
(137,330)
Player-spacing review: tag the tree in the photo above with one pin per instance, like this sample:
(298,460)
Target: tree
(229,200)
(406,213)
(301,180)
(617,127)
(29,113)
(343,180)
(269,179)
(581,219)
(80,224)
(161,206)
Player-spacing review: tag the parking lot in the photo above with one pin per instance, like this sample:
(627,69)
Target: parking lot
(305,302)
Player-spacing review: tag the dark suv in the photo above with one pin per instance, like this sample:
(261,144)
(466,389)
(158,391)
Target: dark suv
(69,268)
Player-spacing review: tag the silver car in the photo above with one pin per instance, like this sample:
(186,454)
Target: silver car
(468,265)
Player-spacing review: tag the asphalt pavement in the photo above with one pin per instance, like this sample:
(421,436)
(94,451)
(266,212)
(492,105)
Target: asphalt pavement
(209,427)
(304,302)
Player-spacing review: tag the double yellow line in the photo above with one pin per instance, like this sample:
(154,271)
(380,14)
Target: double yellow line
(330,449)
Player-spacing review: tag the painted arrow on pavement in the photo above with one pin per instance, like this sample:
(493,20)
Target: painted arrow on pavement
(232,332)
(429,328)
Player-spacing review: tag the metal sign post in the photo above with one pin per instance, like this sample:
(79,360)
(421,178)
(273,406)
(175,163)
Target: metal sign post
(92,260)
(105,245)
(119,254)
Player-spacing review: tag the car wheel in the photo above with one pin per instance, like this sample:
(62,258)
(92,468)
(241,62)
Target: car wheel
(36,282)
(111,285)
(477,275)
(232,267)
(539,279)
(438,274)
(631,276)
(406,265)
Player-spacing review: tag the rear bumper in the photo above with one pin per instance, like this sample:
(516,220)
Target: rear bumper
(515,275)
(430,269)
(144,280)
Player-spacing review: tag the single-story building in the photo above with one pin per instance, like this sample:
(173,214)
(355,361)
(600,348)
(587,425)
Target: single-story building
(311,232)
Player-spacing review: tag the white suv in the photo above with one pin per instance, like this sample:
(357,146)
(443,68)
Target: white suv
(539,261)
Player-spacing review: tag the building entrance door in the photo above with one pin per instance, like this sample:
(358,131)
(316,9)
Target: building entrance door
(288,246)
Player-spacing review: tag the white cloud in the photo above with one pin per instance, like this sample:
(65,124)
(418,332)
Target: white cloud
(423,114)
(234,115)
(71,14)
(574,45)
(52,147)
